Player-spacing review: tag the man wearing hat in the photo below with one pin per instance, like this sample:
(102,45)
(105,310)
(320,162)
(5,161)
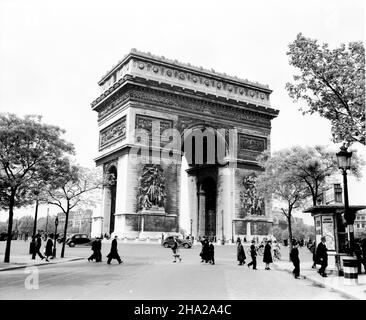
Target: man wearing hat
(294,256)
(253,254)
(322,257)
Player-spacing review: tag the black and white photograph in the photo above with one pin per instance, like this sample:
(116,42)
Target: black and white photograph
(180,151)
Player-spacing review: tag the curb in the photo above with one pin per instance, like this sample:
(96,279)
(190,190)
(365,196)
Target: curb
(327,286)
(38,264)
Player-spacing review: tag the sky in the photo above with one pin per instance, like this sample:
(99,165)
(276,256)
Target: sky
(53,53)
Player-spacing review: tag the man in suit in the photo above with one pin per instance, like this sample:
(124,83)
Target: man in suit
(38,247)
(253,254)
(322,257)
(294,255)
(113,254)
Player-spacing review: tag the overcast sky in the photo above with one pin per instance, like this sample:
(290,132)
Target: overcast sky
(53,53)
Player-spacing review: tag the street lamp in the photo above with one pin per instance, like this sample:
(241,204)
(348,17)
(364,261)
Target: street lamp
(54,245)
(222,228)
(191,226)
(344,163)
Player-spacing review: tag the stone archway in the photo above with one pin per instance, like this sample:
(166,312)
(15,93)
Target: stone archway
(209,189)
(148,96)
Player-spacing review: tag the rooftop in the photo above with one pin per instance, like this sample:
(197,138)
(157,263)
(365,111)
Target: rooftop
(162,59)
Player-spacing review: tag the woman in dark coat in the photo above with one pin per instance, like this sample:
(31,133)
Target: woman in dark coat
(49,247)
(94,249)
(205,253)
(113,254)
(267,255)
(240,253)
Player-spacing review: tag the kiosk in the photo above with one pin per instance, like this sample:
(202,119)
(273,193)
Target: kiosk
(329,222)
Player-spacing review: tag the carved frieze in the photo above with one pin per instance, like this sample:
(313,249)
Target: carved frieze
(146,123)
(251,202)
(197,78)
(200,106)
(113,104)
(251,143)
(113,133)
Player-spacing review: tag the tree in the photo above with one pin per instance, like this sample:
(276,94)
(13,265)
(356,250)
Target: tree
(332,82)
(28,149)
(72,188)
(313,165)
(3,227)
(26,225)
(46,224)
(278,182)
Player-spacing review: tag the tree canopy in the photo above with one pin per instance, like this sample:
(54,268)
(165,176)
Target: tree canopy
(332,83)
(29,149)
(314,165)
(73,188)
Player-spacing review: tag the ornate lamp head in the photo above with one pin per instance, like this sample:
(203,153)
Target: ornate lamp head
(344,158)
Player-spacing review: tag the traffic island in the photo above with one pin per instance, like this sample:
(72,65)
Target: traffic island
(332,282)
(24,261)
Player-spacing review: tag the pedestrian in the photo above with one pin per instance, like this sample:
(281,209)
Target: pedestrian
(267,255)
(363,249)
(38,247)
(113,254)
(253,254)
(98,250)
(358,253)
(322,257)
(175,250)
(294,256)
(240,253)
(49,247)
(94,249)
(313,251)
(211,250)
(205,253)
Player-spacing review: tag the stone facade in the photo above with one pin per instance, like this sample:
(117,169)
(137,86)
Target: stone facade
(147,104)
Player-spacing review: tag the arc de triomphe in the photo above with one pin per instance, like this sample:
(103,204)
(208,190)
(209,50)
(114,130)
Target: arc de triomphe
(181,144)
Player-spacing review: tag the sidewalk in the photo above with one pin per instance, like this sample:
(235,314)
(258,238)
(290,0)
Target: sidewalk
(23,261)
(333,282)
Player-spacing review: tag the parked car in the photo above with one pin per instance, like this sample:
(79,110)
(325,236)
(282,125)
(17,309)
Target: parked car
(78,239)
(61,239)
(168,242)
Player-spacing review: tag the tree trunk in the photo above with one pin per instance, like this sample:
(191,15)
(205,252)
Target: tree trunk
(289,234)
(10,227)
(65,231)
(35,219)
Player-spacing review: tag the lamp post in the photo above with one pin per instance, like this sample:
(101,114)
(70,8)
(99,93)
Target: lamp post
(344,163)
(222,228)
(54,245)
(232,231)
(191,226)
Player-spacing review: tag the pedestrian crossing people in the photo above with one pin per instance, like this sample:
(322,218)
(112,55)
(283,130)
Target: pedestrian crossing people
(253,255)
(267,255)
(294,256)
(113,254)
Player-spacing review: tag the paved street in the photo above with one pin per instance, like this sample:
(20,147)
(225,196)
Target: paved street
(148,273)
